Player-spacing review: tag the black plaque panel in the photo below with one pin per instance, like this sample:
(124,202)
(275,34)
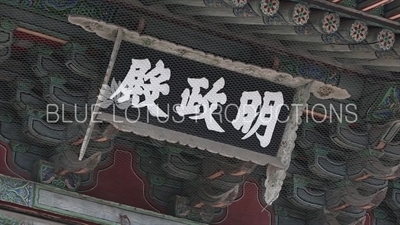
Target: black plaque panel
(180,70)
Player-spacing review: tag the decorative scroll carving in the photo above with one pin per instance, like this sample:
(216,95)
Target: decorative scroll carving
(330,218)
(219,183)
(65,170)
(26,101)
(343,197)
(384,216)
(275,176)
(44,172)
(311,194)
(68,162)
(81,65)
(375,138)
(108,31)
(324,166)
(70,101)
(180,206)
(44,64)
(178,166)
(109,133)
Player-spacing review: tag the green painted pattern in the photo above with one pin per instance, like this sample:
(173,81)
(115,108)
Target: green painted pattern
(349,3)
(9,221)
(387,107)
(38,205)
(16,191)
(19,147)
(60,9)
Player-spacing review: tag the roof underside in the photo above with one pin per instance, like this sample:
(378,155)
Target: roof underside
(358,37)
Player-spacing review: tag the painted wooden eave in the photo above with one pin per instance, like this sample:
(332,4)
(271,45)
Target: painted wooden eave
(384,22)
(71,204)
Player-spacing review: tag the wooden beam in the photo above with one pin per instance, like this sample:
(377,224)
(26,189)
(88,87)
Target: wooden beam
(317,47)
(378,62)
(201,11)
(19,218)
(392,10)
(41,35)
(350,55)
(316,114)
(354,13)
(199,3)
(300,38)
(372,4)
(52,201)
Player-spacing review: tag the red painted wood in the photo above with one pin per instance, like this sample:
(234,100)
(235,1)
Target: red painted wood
(121,183)
(25,36)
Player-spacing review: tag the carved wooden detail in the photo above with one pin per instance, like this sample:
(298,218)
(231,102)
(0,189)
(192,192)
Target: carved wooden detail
(377,137)
(180,206)
(364,152)
(64,169)
(181,167)
(79,63)
(43,63)
(52,134)
(343,199)
(6,33)
(5,53)
(68,100)
(25,98)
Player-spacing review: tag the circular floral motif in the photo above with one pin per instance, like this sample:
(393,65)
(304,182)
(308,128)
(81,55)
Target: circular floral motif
(386,39)
(301,14)
(358,31)
(330,23)
(269,7)
(239,3)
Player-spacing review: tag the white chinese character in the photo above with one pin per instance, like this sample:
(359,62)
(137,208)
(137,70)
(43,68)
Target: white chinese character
(267,115)
(140,81)
(195,103)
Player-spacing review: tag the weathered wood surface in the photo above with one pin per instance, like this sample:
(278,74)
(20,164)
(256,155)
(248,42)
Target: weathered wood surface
(11,218)
(74,205)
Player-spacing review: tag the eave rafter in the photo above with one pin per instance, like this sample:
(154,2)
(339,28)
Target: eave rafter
(319,25)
